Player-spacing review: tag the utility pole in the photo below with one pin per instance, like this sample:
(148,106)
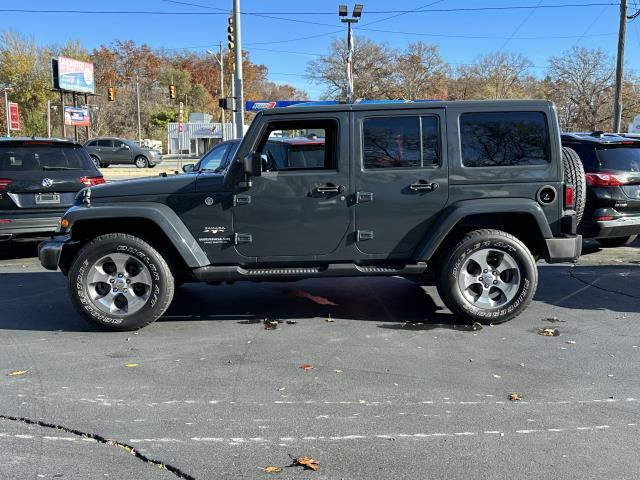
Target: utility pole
(6,110)
(220,60)
(239,110)
(138,103)
(355,16)
(48,118)
(617,102)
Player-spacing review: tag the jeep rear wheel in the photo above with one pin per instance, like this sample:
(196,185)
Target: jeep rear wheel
(489,277)
(120,282)
(574,175)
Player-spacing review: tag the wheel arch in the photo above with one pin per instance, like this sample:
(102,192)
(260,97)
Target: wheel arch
(157,224)
(522,218)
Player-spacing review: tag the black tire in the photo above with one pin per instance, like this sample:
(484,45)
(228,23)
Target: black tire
(141,161)
(497,242)
(105,165)
(152,165)
(96,161)
(574,175)
(617,241)
(159,294)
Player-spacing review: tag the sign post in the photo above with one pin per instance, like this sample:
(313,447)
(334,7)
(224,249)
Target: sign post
(14,116)
(180,129)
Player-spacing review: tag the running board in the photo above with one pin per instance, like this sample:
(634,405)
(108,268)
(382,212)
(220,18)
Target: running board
(233,272)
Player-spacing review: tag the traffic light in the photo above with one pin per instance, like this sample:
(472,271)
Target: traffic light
(231,34)
(172,92)
(111,94)
(226,103)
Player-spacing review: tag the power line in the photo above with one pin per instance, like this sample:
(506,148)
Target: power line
(526,19)
(379,12)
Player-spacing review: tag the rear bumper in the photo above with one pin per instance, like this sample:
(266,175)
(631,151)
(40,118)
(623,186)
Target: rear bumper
(563,249)
(30,226)
(621,227)
(50,251)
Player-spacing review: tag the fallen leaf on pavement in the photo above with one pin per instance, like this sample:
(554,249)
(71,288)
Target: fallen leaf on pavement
(495,375)
(521,364)
(272,469)
(549,332)
(131,365)
(337,370)
(270,324)
(307,463)
(291,322)
(313,298)
(17,373)
(514,397)
(307,367)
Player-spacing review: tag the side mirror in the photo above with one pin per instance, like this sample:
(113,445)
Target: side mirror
(188,168)
(252,165)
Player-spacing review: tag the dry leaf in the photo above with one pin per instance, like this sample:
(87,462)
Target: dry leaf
(495,375)
(307,463)
(521,364)
(17,373)
(307,367)
(476,326)
(291,322)
(270,324)
(549,332)
(271,469)
(337,370)
(514,397)
(131,365)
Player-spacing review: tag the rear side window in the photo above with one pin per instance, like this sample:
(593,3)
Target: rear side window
(401,142)
(105,143)
(504,139)
(625,158)
(42,157)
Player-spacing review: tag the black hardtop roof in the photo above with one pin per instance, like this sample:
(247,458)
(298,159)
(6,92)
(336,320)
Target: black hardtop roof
(357,107)
(598,138)
(44,140)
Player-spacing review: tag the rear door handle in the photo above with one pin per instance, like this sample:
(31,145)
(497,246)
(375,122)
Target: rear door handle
(423,187)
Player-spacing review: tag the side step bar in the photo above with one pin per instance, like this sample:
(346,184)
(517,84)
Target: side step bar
(234,272)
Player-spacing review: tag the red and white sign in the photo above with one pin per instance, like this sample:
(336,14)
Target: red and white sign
(14,116)
(180,118)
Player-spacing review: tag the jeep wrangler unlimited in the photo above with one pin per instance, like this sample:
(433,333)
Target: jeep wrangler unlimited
(466,195)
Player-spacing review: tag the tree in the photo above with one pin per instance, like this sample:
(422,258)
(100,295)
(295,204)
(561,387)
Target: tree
(372,70)
(420,72)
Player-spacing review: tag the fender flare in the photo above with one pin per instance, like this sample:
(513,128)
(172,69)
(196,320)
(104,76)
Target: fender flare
(456,212)
(161,215)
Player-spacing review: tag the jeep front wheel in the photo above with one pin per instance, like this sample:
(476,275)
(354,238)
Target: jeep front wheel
(120,282)
(489,277)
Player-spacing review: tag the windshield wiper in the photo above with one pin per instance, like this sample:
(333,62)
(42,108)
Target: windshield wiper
(59,168)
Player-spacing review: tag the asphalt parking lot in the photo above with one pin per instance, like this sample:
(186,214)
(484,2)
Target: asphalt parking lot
(397,389)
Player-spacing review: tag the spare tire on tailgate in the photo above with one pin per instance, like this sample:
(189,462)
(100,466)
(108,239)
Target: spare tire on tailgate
(574,175)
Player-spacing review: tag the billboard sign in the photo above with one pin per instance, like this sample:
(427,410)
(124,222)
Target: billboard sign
(73,75)
(14,116)
(77,116)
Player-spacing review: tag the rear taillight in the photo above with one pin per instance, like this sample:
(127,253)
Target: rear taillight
(4,183)
(605,179)
(92,181)
(604,218)
(569,197)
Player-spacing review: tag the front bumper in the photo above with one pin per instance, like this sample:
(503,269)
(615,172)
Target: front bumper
(50,251)
(563,249)
(28,226)
(157,160)
(620,227)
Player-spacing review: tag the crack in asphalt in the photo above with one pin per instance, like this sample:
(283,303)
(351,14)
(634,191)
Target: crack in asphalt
(105,441)
(573,275)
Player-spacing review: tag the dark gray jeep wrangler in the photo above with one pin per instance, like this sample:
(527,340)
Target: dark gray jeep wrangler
(466,195)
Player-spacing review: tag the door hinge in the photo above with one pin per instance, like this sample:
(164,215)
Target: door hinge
(365,235)
(364,197)
(241,200)
(239,238)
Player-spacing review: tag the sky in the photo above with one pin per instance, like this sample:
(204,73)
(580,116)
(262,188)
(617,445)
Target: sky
(284,35)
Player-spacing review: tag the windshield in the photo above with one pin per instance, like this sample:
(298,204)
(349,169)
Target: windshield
(39,157)
(623,157)
(214,159)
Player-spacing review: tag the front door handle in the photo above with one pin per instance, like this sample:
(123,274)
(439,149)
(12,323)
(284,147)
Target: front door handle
(329,189)
(423,186)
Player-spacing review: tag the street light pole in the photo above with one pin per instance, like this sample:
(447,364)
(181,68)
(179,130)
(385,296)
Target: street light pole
(48,118)
(138,104)
(6,110)
(617,102)
(239,110)
(220,60)
(355,16)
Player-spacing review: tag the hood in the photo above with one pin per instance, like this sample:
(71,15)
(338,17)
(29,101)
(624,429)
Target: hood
(174,184)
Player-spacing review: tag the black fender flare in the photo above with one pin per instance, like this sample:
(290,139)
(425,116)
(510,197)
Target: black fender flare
(456,212)
(161,215)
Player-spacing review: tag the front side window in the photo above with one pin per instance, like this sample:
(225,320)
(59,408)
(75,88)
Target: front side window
(401,142)
(299,145)
(504,139)
(105,143)
(212,160)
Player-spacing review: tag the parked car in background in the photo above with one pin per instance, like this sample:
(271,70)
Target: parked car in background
(39,179)
(612,169)
(117,151)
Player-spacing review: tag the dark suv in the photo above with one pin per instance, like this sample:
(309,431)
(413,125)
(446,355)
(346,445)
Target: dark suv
(466,195)
(39,179)
(612,168)
(119,151)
